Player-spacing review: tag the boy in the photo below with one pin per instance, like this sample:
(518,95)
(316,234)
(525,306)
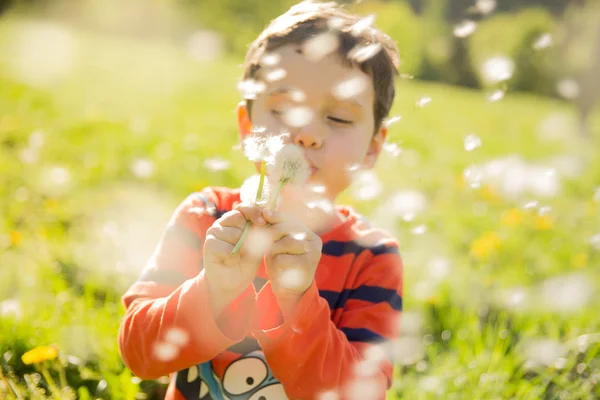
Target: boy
(226,326)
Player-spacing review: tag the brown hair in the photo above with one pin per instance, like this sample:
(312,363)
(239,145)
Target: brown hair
(309,19)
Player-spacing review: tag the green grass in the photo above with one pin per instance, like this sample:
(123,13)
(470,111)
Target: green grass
(66,251)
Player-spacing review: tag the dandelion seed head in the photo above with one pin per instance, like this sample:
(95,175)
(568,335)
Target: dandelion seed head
(289,166)
(250,187)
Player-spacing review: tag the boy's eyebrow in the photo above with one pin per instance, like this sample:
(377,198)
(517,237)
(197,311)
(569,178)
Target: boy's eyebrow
(286,90)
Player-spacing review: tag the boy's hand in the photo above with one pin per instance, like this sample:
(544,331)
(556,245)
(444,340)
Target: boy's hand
(229,275)
(292,259)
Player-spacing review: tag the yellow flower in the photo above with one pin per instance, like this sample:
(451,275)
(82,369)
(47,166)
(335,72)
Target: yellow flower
(485,245)
(544,223)
(580,260)
(15,238)
(489,194)
(40,354)
(512,217)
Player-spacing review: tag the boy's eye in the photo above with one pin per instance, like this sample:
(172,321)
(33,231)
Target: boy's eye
(276,112)
(340,120)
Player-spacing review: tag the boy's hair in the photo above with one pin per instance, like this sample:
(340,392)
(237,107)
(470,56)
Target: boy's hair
(309,19)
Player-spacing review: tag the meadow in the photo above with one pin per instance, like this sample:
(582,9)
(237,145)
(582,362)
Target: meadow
(496,204)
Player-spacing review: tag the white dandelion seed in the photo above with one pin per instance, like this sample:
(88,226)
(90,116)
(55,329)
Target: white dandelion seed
(366,185)
(361,53)
(496,95)
(350,88)
(165,351)
(292,278)
(318,47)
(544,41)
(363,24)
(216,164)
(465,29)
(177,336)
(251,88)
(258,241)
(142,168)
(297,117)
(392,148)
(497,69)
(275,75)
(423,101)
(485,6)
(270,59)
(472,142)
(255,148)
(568,88)
(297,95)
(392,120)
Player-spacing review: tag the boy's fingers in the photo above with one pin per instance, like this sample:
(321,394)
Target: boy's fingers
(251,212)
(273,216)
(227,234)
(289,245)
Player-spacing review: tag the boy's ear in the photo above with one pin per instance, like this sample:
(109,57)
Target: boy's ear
(243,120)
(375,147)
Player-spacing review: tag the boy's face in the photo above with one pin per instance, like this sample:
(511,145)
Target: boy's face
(339,135)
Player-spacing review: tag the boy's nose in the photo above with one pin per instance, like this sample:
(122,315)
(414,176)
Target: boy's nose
(308,140)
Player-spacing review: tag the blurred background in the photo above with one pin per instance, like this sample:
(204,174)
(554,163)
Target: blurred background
(112,112)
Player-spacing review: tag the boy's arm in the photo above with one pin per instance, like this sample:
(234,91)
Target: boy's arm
(169,323)
(310,355)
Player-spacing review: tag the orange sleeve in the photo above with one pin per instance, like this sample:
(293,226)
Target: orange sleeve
(309,354)
(169,324)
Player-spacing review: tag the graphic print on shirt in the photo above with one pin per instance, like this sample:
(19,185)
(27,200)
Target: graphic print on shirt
(246,378)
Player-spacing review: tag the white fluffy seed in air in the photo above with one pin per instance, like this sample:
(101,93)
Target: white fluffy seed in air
(544,41)
(142,168)
(392,120)
(257,242)
(497,69)
(361,53)
(465,29)
(216,164)
(350,88)
(297,117)
(297,95)
(177,336)
(423,101)
(366,185)
(318,47)
(496,95)
(320,189)
(165,351)
(472,142)
(251,88)
(597,194)
(419,230)
(270,59)
(363,24)
(275,75)
(594,241)
(329,395)
(292,278)
(334,23)
(299,236)
(485,6)
(568,88)
(258,129)
(392,148)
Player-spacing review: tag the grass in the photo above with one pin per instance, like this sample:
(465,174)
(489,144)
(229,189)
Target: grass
(476,281)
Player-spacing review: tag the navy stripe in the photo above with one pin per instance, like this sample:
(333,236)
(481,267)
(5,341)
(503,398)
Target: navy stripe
(373,294)
(258,282)
(362,335)
(337,249)
(164,277)
(211,208)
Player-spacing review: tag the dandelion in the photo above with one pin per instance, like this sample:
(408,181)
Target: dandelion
(544,223)
(485,245)
(512,217)
(263,150)
(289,166)
(39,355)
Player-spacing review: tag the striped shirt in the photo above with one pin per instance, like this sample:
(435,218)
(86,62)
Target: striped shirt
(249,352)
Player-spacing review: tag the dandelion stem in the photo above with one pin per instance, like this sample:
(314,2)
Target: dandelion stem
(62,374)
(9,384)
(50,381)
(259,195)
(273,201)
